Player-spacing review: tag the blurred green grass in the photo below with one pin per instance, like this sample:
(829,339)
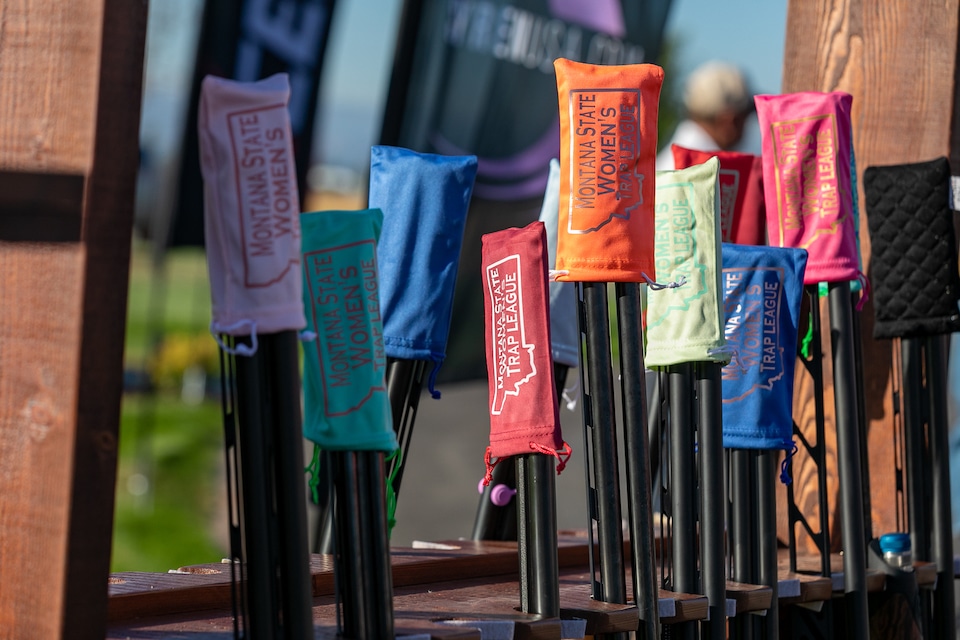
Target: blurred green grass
(170,494)
(178,302)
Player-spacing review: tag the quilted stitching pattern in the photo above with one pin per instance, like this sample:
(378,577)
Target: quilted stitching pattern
(913,260)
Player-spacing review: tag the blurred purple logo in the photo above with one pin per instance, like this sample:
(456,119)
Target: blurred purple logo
(511,89)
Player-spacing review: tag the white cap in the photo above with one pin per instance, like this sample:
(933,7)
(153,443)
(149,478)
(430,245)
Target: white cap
(715,87)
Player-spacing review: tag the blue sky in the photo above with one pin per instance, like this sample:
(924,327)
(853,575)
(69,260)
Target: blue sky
(749,33)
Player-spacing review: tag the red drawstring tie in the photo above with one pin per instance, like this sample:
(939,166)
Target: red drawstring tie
(490,464)
(562,456)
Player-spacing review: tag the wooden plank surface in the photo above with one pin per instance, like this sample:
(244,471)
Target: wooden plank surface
(218,625)
(38,361)
(417,609)
(811,566)
(137,600)
(899,61)
(49,82)
(106,235)
(926,573)
(453,578)
(601,617)
(813,588)
(70,81)
(689,606)
(471,599)
(137,595)
(749,597)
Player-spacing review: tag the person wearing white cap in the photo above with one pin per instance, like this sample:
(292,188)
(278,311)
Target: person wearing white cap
(718,101)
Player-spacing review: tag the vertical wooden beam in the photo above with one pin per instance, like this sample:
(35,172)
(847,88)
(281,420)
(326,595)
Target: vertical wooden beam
(70,89)
(899,61)
(38,393)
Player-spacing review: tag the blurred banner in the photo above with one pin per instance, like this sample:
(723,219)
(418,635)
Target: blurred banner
(248,40)
(476,77)
(480,78)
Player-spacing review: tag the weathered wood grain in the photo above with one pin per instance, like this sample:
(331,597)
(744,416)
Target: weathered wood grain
(446,584)
(38,396)
(749,597)
(48,84)
(70,86)
(106,233)
(899,61)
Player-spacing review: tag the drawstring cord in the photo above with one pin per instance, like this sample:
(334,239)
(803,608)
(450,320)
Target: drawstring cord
(397,459)
(658,286)
(240,349)
(314,470)
(562,456)
(785,465)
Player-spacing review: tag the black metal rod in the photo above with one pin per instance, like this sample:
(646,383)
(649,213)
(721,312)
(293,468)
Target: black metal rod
(282,374)
(638,460)
(257,493)
(323,536)
(914,445)
(601,441)
(271,463)
(537,535)
(683,489)
(944,610)
(742,473)
(404,379)
(368,576)
(378,574)
(499,522)
(712,496)
(862,423)
(350,556)
(536,513)
(728,509)
(818,451)
(768,573)
(848,459)
(654,423)
(403,59)
(228,394)
(493,521)
(917,469)
(363,571)
(662,479)
(560,378)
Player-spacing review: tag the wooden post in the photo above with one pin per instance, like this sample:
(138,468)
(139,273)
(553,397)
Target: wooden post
(70,81)
(899,61)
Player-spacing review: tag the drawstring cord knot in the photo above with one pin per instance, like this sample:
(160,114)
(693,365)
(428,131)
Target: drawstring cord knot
(785,464)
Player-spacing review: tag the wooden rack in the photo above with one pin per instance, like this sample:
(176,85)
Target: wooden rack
(453,580)
(70,77)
